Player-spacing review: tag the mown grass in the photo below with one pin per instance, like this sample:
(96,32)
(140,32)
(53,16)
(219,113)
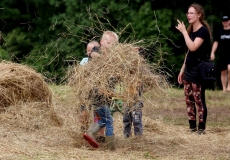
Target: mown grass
(173,108)
(166,134)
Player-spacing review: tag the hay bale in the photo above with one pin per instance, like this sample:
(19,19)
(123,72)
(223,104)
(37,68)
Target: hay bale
(121,65)
(21,84)
(29,94)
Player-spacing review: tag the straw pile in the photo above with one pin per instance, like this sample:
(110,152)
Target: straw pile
(25,97)
(118,72)
(21,84)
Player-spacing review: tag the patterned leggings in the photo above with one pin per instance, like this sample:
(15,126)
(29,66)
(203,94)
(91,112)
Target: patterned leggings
(195,96)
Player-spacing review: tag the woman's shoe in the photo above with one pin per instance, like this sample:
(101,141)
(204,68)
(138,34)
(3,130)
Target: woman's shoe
(200,132)
(192,130)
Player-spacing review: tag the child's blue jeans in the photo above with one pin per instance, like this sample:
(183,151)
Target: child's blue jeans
(104,119)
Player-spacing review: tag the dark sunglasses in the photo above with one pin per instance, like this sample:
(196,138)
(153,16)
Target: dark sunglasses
(224,20)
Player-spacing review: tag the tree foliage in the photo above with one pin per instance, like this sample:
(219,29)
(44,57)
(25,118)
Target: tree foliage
(50,35)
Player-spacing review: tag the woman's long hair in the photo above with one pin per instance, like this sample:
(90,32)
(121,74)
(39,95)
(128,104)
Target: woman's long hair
(200,10)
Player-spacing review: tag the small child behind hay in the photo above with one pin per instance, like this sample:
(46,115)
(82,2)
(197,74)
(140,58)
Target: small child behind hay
(90,46)
(132,111)
(84,117)
(100,103)
(133,114)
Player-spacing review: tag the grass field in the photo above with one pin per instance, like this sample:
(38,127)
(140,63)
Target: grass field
(26,131)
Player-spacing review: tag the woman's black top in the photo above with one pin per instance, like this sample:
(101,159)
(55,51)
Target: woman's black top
(195,57)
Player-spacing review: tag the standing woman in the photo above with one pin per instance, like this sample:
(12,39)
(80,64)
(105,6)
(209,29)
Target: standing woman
(198,41)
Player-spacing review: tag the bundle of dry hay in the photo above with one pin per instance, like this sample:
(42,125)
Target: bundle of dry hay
(20,83)
(118,72)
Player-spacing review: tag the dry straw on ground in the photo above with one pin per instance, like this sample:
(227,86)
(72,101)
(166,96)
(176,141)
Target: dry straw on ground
(165,137)
(162,140)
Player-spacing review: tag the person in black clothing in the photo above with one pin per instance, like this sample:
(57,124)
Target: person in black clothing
(222,41)
(197,38)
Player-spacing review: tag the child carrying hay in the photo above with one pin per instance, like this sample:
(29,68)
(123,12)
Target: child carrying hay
(100,101)
(120,64)
(92,46)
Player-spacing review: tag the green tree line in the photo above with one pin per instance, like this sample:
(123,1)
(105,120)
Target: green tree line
(49,35)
